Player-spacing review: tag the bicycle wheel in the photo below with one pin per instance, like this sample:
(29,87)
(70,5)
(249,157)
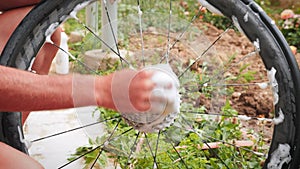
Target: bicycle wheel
(210,83)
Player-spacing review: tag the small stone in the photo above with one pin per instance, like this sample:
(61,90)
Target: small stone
(75,37)
(236,94)
(227,75)
(98,59)
(152,29)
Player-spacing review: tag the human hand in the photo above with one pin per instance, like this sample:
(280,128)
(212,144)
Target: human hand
(125,91)
(131,90)
(148,99)
(153,98)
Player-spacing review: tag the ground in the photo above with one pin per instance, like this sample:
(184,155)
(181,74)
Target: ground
(252,101)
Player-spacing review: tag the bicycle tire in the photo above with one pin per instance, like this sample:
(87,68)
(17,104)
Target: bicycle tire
(284,54)
(274,51)
(11,121)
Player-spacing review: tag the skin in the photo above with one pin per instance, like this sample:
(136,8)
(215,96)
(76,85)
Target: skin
(12,159)
(25,91)
(7,5)
(11,19)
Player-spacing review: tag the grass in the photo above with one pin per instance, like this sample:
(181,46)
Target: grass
(224,129)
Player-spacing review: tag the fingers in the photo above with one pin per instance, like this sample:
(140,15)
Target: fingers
(147,90)
(140,90)
(131,90)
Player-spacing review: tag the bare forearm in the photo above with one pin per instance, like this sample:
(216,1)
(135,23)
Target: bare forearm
(24,91)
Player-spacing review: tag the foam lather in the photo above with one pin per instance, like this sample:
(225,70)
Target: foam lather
(165,102)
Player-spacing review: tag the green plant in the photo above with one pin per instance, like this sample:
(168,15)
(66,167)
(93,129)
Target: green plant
(189,144)
(89,158)
(244,75)
(268,6)
(190,8)
(288,26)
(290,30)
(220,22)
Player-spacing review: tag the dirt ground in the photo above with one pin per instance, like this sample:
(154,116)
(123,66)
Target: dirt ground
(252,100)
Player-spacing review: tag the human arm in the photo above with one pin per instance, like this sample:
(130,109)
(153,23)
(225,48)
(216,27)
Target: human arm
(11,4)
(25,91)
(11,158)
(9,21)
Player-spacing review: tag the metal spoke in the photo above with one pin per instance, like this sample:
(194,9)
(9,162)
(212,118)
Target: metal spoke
(111,27)
(233,145)
(102,41)
(215,154)
(121,134)
(169,29)
(107,141)
(204,52)
(179,37)
(241,117)
(237,84)
(157,142)
(74,129)
(174,148)
(94,149)
(140,13)
(188,88)
(132,147)
(74,58)
(155,165)
(79,157)
(253,53)
(191,129)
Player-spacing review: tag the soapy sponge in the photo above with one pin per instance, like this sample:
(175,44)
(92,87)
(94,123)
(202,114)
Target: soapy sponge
(165,102)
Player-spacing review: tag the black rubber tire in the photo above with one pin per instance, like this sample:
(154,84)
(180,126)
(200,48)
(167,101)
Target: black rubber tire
(274,51)
(20,51)
(9,133)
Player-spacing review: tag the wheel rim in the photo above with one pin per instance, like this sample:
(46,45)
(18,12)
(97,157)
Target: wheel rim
(209,79)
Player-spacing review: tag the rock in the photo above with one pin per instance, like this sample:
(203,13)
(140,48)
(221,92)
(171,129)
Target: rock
(75,37)
(98,59)
(236,94)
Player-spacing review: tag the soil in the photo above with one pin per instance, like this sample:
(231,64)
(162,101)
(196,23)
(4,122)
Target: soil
(252,100)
